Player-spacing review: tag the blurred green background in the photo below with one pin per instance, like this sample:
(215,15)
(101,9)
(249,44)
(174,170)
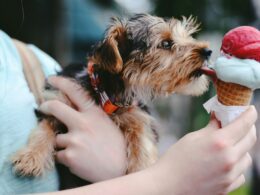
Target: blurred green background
(66,29)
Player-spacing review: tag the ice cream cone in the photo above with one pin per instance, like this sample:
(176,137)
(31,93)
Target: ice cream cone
(235,73)
(231,94)
(243,43)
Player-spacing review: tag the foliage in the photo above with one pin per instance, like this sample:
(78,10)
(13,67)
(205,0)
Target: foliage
(244,190)
(219,15)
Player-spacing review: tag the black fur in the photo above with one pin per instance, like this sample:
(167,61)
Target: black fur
(110,82)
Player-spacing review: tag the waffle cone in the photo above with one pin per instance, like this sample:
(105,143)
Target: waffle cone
(231,94)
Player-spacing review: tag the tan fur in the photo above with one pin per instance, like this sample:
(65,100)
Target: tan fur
(37,156)
(114,35)
(141,144)
(163,72)
(148,70)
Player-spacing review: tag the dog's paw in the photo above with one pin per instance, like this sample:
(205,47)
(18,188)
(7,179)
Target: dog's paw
(30,163)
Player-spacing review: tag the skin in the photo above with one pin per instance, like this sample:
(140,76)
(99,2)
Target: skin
(91,132)
(224,151)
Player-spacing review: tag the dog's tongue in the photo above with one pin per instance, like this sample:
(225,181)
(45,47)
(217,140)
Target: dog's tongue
(242,42)
(208,71)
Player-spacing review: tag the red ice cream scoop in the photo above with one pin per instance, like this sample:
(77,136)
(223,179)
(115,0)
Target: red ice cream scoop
(242,42)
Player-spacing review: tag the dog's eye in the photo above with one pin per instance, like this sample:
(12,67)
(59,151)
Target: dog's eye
(166,44)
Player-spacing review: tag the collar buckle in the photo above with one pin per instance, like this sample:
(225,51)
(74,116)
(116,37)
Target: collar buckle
(106,103)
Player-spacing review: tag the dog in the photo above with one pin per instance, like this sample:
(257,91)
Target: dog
(139,59)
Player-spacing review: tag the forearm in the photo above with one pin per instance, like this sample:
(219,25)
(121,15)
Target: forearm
(144,182)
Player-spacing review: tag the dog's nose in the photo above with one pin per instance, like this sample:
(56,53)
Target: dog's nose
(206,53)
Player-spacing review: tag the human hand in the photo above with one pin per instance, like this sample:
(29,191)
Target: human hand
(94,148)
(212,160)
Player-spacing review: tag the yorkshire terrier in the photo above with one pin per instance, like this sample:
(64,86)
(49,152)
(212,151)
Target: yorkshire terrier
(139,59)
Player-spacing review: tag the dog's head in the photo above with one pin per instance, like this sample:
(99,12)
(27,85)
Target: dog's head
(154,56)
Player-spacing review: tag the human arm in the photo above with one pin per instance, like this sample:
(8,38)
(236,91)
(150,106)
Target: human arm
(209,161)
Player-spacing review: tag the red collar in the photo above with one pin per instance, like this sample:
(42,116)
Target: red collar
(106,103)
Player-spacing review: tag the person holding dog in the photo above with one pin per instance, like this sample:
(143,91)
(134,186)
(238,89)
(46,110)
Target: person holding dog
(212,160)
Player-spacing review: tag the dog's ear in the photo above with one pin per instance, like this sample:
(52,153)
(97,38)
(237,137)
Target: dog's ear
(109,53)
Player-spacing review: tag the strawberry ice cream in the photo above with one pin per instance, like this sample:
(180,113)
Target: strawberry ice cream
(237,71)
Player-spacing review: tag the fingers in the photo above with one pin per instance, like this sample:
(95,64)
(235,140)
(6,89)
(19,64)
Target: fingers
(62,141)
(63,157)
(214,123)
(241,126)
(237,183)
(61,111)
(241,166)
(236,177)
(246,143)
(74,91)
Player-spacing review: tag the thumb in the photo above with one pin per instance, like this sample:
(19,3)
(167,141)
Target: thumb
(214,123)
(61,111)
(71,89)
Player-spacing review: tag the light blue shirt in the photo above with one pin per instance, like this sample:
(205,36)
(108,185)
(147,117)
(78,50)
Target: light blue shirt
(17,118)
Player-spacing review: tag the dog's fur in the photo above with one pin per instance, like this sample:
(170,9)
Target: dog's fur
(139,59)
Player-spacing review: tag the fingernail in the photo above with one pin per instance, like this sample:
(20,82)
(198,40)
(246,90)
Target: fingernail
(43,108)
(212,115)
(51,79)
(251,107)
